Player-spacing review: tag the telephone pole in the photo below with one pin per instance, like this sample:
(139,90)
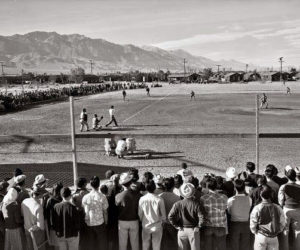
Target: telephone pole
(281,61)
(92,64)
(184,62)
(247,68)
(218,65)
(3,80)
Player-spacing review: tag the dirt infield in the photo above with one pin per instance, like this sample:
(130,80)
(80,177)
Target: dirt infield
(224,108)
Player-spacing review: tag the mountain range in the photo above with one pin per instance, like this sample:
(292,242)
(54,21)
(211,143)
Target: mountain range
(51,52)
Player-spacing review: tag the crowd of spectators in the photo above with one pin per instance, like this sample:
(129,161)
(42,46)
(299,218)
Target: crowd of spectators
(242,211)
(17,101)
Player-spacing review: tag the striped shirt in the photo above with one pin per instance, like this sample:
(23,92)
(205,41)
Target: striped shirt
(215,205)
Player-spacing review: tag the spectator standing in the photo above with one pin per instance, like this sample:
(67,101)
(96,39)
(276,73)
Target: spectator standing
(169,238)
(121,149)
(269,173)
(13,221)
(112,117)
(20,187)
(84,120)
(158,179)
(78,195)
(67,222)
(289,200)
(187,216)
(128,204)
(215,223)
(184,171)
(228,185)
(49,213)
(266,222)
(178,181)
(33,215)
(95,207)
(124,95)
(3,191)
(152,213)
(239,210)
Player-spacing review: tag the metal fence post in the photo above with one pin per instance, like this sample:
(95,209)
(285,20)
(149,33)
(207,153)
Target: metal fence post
(74,156)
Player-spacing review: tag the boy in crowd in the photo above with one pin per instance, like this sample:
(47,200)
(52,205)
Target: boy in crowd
(266,222)
(239,209)
(84,120)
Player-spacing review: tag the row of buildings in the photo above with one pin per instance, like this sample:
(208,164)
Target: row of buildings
(233,77)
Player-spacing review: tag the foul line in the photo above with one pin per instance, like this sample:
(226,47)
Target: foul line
(134,115)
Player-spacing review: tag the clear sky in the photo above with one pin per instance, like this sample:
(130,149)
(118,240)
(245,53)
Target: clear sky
(252,31)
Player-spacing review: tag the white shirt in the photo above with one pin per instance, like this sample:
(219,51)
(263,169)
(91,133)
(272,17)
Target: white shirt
(121,146)
(239,207)
(94,204)
(152,211)
(111,112)
(33,214)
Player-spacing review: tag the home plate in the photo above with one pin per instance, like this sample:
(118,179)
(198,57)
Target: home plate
(27,118)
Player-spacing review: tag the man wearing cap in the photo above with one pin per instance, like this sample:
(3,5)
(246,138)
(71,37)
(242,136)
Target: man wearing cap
(127,203)
(95,207)
(158,179)
(228,185)
(215,205)
(33,215)
(152,213)
(289,200)
(187,216)
(20,187)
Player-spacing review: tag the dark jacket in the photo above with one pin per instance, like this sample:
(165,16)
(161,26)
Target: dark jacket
(187,213)
(67,220)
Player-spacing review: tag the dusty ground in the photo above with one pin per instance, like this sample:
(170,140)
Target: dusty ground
(218,108)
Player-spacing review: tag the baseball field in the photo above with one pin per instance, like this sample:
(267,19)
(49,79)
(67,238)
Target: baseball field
(217,109)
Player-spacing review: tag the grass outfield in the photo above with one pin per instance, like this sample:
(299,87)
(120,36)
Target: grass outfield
(218,108)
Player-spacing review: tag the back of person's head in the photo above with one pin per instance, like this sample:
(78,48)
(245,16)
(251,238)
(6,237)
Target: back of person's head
(212,184)
(81,182)
(239,185)
(56,189)
(270,171)
(168,184)
(220,182)
(111,107)
(193,180)
(150,186)
(84,110)
(261,180)
(148,176)
(266,193)
(135,174)
(250,166)
(184,165)
(104,189)
(290,173)
(109,173)
(178,181)
(95,115)
(95,182)
(18,172)
(65,192)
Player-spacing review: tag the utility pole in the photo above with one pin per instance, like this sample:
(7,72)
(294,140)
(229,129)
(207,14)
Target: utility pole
(218,65)
(247,68)
(184,62)
(92,64)
(281,61)
(22,72)
(3,80)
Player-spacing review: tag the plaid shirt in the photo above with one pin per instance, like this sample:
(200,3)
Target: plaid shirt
(215,205)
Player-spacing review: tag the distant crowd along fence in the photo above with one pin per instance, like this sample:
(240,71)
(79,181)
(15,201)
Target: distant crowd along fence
(73,136)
